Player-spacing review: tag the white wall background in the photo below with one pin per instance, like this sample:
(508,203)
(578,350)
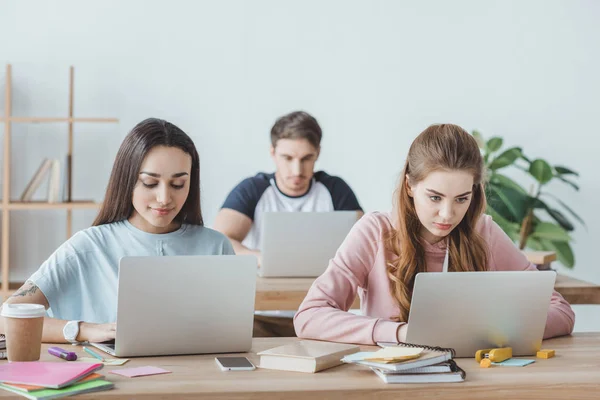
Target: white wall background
(374,73)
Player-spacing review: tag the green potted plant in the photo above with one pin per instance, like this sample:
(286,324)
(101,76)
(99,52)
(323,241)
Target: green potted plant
(526,216)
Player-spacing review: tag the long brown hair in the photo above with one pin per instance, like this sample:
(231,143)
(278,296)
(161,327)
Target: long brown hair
(443,147)
(152,132)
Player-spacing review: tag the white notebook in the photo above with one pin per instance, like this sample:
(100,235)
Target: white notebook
(429,356)
(456,374)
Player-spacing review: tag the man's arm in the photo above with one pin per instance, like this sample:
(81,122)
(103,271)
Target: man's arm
(53,328)
(235,226)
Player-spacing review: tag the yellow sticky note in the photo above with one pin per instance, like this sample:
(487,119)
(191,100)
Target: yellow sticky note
(396,354)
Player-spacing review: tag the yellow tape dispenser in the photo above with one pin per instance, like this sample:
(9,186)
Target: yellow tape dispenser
(494,355)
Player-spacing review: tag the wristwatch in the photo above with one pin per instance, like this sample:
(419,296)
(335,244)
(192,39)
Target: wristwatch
(71,331)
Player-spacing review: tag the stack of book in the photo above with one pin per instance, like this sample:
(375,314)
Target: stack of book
(49,170)
(406,363)
(52,380)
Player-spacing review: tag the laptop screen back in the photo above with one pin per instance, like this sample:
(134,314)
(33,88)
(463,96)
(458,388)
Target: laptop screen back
(300,244)
(171,305)
(469,311)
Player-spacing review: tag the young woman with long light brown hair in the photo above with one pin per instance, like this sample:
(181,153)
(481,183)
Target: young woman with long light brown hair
(437,224)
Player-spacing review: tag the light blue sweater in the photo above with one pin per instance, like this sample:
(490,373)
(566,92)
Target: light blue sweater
(80,277)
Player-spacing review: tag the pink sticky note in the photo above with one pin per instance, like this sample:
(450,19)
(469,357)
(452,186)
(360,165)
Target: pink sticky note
(140,371)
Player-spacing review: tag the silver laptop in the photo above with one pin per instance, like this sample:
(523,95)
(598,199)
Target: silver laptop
(300,244)
(171,305)
(469,311)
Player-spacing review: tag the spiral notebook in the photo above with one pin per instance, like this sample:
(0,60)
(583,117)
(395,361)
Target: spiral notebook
(452,373)
(3,353)
(429,356)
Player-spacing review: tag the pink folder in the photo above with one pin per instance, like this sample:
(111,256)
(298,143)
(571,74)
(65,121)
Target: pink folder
(53,375)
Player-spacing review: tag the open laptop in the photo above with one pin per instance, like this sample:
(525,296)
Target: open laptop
(300,244)
(470,311)
(171,305)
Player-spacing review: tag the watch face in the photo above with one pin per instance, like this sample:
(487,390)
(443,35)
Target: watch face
(71,330)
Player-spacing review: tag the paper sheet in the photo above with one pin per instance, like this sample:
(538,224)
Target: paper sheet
(107,361)
(140,371)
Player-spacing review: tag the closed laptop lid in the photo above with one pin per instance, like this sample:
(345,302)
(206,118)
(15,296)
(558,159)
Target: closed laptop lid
(300,244)
(185,305)
(469,311)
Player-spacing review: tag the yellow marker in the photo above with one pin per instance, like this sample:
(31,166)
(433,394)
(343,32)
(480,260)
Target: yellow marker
(494,355)
(485,363)
(545,354)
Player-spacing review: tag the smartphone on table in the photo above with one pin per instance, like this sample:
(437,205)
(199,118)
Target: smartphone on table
(234,364)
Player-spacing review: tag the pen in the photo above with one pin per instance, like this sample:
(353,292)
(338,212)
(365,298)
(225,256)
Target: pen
(93,353)
(65,355)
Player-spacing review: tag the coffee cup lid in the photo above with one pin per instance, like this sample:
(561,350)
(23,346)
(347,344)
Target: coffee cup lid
(23,310)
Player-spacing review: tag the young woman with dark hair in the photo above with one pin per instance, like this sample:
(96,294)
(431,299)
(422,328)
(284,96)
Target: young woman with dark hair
(151,207)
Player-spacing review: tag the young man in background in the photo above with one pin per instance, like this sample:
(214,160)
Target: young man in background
(293,187)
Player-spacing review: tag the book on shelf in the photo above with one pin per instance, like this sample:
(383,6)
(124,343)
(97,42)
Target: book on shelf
(432,364)
(54,182)
(306,356)
(50,170)
(64,195)
(36,179)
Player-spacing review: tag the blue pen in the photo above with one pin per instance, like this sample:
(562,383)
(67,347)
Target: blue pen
(61,353)
(93,353)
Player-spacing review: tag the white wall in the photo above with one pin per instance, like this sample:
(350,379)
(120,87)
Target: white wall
(374,73)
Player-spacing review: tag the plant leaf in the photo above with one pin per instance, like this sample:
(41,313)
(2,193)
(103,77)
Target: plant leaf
(534,244)
(561,219)
(557,215)
(479,139)
(573,185)
(573,213)
(564,170)
(502,180)
(510,203)
(494,144)
(550,231)
(564,252)
(510,228)
(541,171)
(505,158)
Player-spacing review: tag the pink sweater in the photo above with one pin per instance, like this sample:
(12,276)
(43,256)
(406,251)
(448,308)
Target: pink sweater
(360,266)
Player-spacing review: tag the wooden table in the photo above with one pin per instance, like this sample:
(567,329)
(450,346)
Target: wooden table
(576,291)
(573,374)
(288,293)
